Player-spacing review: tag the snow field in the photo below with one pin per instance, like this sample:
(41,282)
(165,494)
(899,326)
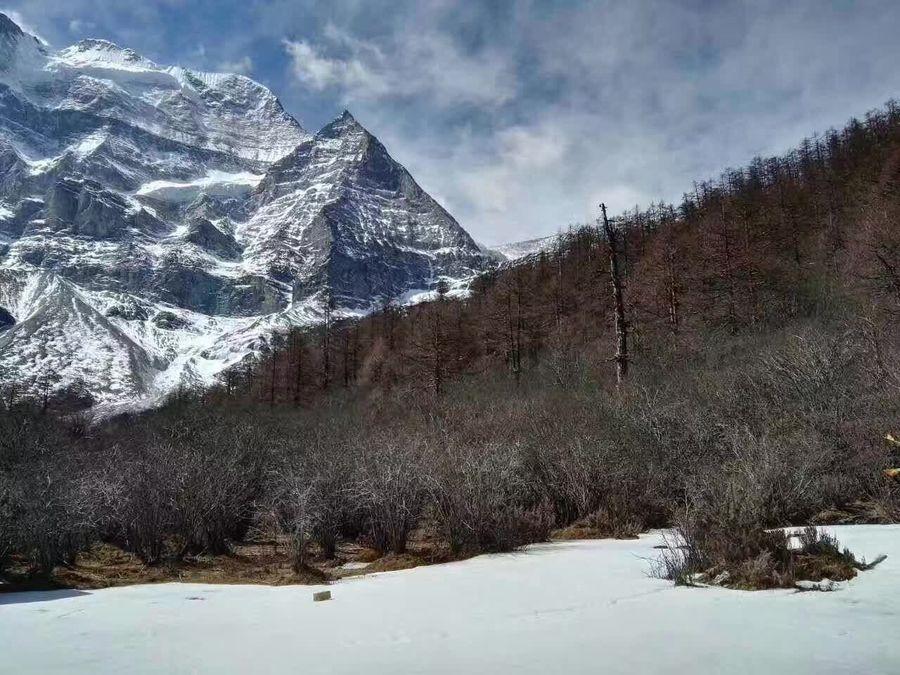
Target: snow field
(573,607)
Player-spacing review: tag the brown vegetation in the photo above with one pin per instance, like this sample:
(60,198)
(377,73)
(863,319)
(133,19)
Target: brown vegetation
(762,360)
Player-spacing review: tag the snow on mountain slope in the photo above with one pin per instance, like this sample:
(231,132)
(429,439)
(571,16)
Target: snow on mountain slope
(218,112)
(215,183)
(158,225)
(340,193)
(523,249)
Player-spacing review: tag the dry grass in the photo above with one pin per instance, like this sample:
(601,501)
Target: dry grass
(756,559)
(860,512)
(263,562)
(599,525)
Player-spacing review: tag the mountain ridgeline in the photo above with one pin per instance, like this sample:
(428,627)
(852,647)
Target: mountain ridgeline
(158,224)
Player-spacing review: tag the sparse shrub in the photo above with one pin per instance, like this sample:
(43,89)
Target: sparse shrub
(617,523)
(291,515)
(885,494)
(334,512)
(390,492)
(748,556)
(311,500)
(483,501)
(187,483)
(819,556)
(140,497)
(53,515)
(595,464)
(213,498)
(6,520)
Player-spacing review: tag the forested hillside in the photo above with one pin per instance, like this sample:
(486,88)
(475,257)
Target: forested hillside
(811,236)
(759,320)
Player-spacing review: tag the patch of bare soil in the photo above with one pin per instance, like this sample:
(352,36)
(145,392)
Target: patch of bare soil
(875,512)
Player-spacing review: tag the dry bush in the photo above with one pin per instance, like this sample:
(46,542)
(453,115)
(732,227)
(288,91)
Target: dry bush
(721,539)
(187,482)
(288,513)
(334,480)
(819,556)
(311,500)
(389,490)
(590,457)
(483,500)
(607,522)
(52,510)
(214,498)
(7,541)
(221,461)
(778,481)
(884,506)
(47,510)
(137,490)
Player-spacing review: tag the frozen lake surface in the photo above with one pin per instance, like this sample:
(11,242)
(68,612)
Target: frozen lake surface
(574,607)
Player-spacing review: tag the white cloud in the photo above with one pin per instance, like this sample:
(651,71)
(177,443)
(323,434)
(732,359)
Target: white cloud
(529,180)
(320,72)
(79,26)
(424,64)
(242,66)
(624,103)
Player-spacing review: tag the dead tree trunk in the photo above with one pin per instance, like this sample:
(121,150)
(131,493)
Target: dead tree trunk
(298,366)
(273,373)
(672,280)
(328,306)
(621,357)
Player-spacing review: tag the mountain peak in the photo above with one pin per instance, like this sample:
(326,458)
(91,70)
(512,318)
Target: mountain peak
(103,51)
(179,267)
(342,125)
(10,27)
(20,52)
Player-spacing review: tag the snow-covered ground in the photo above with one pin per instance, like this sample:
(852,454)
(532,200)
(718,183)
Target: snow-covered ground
(579,607)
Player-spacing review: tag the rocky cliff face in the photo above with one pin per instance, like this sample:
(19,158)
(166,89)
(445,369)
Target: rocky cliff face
(158,224)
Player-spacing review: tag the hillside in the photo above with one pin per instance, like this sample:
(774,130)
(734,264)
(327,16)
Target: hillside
(807,238)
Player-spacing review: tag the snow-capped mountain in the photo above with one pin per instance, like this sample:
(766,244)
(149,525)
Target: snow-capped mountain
(158,224)
(522,249)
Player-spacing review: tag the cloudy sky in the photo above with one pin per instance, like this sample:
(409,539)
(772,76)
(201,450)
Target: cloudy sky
(521,116)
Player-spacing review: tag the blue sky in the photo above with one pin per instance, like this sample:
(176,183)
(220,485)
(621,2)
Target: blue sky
(521,116)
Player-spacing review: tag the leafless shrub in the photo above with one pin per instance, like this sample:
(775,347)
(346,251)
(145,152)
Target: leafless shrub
(6,520)
(565,363)
(310,500)
(213,498)
(334,511)
(722,542)
(598,462)
(680,560)
(53,518)
(778,481)
(390,492)
(187,483)
(138,490)
(483,500)
(290,512)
